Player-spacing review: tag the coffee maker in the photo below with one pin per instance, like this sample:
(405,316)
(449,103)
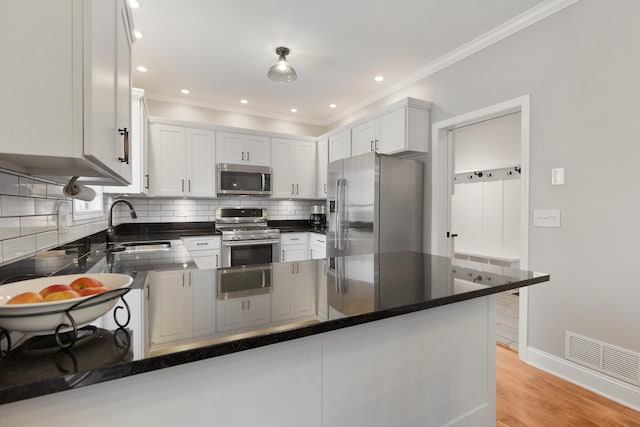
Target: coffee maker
(318,218)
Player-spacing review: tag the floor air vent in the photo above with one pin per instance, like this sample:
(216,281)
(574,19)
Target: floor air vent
(617,362)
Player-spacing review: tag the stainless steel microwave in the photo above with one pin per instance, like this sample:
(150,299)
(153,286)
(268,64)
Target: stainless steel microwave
(247,180)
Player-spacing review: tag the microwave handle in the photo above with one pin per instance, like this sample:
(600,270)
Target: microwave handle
(263,181)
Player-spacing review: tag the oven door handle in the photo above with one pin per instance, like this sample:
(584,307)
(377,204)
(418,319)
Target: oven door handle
(249,242)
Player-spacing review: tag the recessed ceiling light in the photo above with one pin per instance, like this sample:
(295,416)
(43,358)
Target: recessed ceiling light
(134,4)
(185,91)
(244,101)
(332,105)
(294,110)
(142,69)
(379,78)
(138,34)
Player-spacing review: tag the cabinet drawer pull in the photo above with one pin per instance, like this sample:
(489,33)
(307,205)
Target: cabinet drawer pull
(294,238)
(248,304)
(125,132)
(297,188)
(216,260)
(243,159)
(283,255)
(325,188)
(293,189)
(189,186)
(202,243)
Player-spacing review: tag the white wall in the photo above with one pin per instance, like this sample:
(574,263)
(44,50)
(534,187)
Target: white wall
(581,68)
(209,116)
(491,144)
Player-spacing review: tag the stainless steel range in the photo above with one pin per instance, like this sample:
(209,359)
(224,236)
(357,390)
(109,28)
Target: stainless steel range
(246,237)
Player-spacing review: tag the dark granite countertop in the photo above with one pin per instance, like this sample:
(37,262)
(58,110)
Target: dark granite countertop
(339,293)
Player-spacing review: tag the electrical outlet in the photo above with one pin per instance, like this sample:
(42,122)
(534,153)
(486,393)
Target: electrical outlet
(546,218)
(557,176)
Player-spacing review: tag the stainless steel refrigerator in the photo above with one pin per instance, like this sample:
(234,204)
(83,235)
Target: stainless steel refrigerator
(374,205)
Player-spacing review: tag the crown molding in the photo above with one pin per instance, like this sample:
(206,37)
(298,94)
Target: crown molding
(514,25)
(518,23)
(232,109)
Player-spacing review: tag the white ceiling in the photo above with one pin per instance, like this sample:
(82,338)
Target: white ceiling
(221,50)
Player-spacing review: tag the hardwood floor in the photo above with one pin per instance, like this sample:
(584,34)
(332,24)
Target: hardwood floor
(529,397)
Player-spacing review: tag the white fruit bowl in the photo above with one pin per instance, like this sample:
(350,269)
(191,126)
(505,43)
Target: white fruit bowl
(45,317)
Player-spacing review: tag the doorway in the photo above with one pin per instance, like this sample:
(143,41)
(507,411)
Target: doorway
(443,154)
(485,210)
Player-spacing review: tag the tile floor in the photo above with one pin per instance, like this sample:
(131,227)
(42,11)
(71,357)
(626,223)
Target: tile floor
(507,319)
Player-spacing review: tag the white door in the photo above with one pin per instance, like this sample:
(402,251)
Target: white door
(201,163)
(340,145)
(282,165)
(322,160)
(363,137)
(304,161)
(167,306)
(101,139)
(167,168)
(202,302)
(257,150)
(230,148)
(391,132)
(123,92)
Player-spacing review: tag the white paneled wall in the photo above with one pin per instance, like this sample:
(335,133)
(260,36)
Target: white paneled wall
(486,217)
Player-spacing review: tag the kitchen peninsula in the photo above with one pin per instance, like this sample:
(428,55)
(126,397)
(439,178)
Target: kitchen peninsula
(376,340)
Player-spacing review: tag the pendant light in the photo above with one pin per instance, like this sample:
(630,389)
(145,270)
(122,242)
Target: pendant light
(282,72)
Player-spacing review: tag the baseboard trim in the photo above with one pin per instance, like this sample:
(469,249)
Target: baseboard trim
(611,388)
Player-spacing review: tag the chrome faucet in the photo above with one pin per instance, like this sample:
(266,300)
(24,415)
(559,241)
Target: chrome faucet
(111,235)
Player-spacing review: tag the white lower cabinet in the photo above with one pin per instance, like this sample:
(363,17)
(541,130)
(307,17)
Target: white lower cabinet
(293,291)
(322,301)
(238,313)
(294,247)
(204,250)
(181,304)
(317,246)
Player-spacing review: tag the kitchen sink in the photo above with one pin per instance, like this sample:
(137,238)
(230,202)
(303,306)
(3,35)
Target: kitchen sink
(130,247)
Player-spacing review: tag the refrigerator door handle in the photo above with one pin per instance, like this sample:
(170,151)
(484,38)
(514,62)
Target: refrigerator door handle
(338,213)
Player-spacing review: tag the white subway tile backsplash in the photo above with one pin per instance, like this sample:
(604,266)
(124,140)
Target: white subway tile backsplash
(46,206)
(54,191)
(9,228)
(9,184)
(29,222)
(33,225)
(18,247)
(31,188)
(46,240)
(17,206)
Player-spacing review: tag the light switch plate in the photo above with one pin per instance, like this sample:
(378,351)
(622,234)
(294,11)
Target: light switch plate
(557,176)
(546,218)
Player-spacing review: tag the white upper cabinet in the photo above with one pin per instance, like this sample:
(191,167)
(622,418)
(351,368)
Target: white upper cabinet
(69,82)
(139,148)
(181,161)
(340,145)
(237,148)
(401,128)
(322,162)
(294,168)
